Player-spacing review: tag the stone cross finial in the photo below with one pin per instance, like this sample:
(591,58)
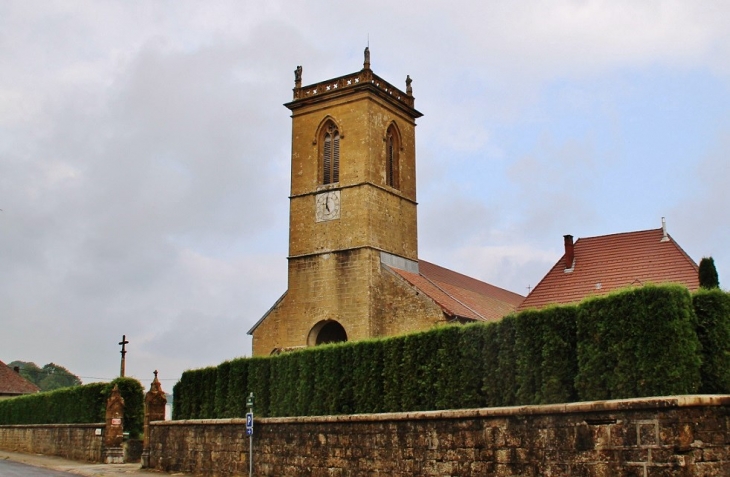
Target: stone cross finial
(156,386)
(366,64)
(409,88)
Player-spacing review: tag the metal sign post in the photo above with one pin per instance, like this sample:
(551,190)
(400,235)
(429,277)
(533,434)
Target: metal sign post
(249,431)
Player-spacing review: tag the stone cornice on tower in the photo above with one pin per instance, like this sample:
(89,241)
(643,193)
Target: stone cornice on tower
(362,80)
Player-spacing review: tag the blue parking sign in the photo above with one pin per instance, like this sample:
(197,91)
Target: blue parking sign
(249,423)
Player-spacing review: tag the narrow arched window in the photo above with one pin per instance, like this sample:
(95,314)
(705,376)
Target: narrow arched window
(391,158)
(331,154)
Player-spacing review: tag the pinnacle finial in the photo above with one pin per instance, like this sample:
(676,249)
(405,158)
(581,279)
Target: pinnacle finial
(298,77)
(366,64)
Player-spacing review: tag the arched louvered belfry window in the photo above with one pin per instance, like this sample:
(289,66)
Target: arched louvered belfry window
(392,147)
(330,154)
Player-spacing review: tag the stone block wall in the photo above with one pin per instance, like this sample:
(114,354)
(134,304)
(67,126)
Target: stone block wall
(670,436)
(399,308)
(363,119)
(352,288)
(79,442)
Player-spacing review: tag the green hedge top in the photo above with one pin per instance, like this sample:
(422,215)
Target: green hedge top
(712,308)
(638,342)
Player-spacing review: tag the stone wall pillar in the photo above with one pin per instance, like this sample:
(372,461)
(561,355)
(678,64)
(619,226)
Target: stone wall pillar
(114,432)
(154,410)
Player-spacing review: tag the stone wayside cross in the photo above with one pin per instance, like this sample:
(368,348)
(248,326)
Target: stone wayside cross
(123,343)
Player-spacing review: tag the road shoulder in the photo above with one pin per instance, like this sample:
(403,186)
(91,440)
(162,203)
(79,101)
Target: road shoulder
(89,469)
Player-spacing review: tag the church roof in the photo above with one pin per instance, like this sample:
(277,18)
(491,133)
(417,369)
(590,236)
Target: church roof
(460,296)
(12,383)
(606,263)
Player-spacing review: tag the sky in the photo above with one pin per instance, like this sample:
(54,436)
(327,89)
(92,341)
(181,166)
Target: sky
(145,153)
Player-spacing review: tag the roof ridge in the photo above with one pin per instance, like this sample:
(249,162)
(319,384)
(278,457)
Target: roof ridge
(618,233)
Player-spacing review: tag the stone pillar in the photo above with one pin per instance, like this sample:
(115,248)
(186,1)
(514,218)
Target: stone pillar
(154,410)
(114,432)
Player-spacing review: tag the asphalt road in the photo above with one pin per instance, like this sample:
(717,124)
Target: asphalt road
(16,464)
(9,468)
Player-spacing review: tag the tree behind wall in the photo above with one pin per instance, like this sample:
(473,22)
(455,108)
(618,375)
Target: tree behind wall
(708,274)
(50,377)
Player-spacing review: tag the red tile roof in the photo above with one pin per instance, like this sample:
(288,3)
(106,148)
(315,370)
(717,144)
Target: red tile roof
(460,296)
(12,383)
(610,262)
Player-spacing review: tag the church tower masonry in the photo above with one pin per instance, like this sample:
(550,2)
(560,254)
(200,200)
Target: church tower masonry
(352,216)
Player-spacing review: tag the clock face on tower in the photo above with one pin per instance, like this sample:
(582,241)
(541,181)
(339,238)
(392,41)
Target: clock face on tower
(327,206)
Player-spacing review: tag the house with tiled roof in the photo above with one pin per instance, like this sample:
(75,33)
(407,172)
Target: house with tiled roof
(12,384)
(599,265)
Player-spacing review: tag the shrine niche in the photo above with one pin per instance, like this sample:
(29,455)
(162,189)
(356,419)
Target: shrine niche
(114,432)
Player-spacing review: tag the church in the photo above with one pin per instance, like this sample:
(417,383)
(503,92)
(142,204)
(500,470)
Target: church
(353,266)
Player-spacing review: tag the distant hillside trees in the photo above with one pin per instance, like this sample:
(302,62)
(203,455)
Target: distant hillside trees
(49,377)
(708,274)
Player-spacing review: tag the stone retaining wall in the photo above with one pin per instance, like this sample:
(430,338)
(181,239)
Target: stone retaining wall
(81,442)
(668,436)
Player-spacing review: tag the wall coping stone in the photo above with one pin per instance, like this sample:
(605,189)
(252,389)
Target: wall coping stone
(82,425)
(662,402)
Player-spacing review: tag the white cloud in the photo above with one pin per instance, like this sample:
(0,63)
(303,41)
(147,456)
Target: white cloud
(589,37)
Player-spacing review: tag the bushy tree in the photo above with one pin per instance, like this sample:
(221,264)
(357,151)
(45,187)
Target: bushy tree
(708,274)
(29,371)
(57,377)
(50,377)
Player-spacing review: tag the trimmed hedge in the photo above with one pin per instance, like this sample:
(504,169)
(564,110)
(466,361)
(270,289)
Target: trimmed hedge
(712,308)
(639,342)
(78,404)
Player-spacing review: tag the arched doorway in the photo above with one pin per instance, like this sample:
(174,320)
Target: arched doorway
(326,331)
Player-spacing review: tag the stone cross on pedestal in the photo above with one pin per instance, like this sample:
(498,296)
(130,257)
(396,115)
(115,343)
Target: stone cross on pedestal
(124,342)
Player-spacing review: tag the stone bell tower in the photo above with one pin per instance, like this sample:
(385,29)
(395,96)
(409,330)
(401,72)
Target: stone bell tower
(352,209)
